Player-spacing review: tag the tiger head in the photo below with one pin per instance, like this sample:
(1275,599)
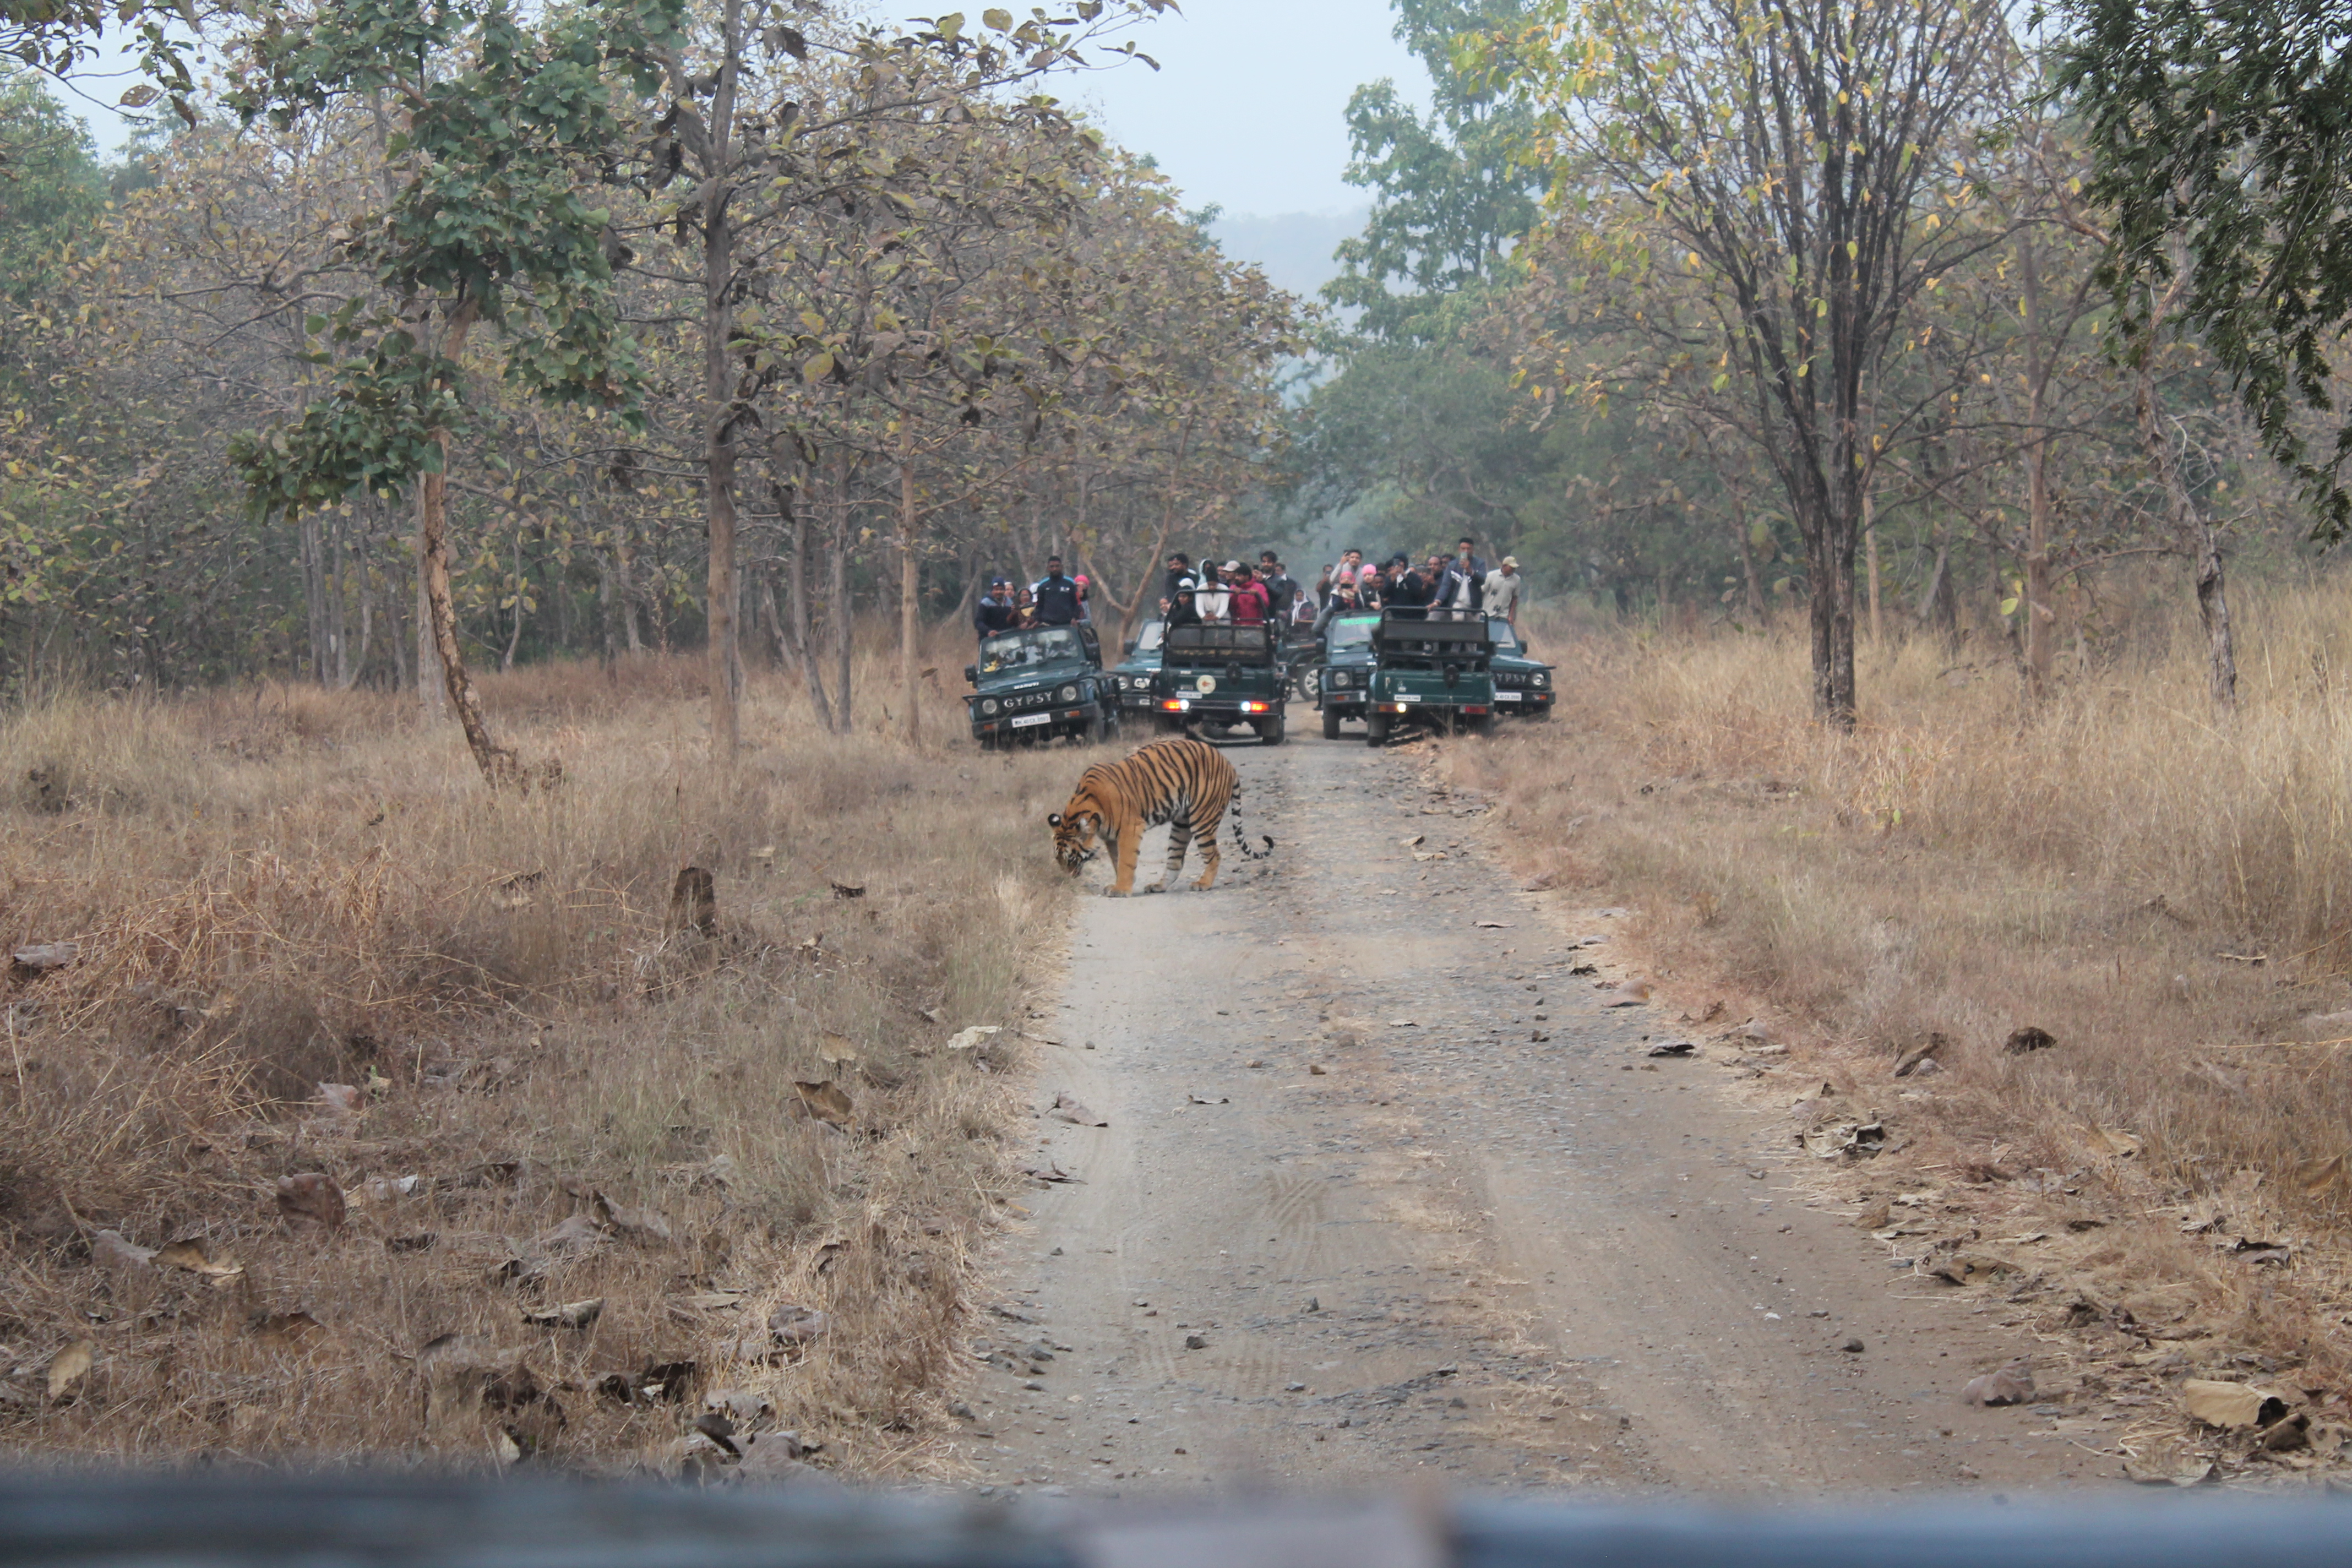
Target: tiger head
(1078,832)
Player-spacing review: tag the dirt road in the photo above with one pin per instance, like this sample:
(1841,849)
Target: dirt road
(1490,1239)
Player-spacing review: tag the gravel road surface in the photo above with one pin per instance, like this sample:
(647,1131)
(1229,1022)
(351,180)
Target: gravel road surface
(1490,1242)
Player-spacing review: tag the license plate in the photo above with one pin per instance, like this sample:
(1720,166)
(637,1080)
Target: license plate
(1408,697)
(1508,695)
(1028,719)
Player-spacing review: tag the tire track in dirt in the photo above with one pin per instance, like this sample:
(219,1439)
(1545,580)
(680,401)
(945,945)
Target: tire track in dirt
(1458,1250)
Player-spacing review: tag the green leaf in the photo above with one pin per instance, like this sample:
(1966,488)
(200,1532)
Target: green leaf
(996,21)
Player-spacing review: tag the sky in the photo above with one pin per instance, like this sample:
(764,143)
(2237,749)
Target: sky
(1245,113)
(1245,110)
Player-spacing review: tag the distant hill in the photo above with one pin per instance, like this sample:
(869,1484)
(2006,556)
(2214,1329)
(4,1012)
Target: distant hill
(1295,249)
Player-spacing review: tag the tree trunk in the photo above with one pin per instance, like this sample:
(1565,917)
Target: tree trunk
(836,609)
(793,628)
(497,764)
(1754,586)
(719,440)
(432,693)
(910,572)
(2195,528)
(2041,617)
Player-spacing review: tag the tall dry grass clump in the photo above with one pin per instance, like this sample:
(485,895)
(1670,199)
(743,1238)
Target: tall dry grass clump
(2163,889)
(417,1072)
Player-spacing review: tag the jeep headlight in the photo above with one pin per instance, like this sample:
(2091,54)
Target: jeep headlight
(1069,694)
(1339,677)
(1541,680)
(988,705)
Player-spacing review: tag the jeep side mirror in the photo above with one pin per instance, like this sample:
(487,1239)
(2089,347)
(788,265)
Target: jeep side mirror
(1131,645)
(971,675)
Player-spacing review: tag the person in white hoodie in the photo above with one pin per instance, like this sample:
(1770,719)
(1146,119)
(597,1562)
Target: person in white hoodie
(1502,590)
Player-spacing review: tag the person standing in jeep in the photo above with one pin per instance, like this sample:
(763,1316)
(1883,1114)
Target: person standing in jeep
(1462,584)
(1056,596)
(996,612)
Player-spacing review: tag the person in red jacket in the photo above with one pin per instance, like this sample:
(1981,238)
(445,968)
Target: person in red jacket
(1250,605)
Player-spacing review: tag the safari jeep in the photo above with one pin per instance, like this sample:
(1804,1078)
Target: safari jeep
(1430,668)
(1523,686)
(1040,683)
(1133,676)
(1221,675)
(1341,678)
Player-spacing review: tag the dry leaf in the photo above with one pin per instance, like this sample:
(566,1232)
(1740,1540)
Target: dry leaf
(190,1255)
(1970,1267)
(1051,1173)
(342,1098)
(70,1365)
(1066,1108)
(2229,1404)
(2012,1385)
(972,1039)
(2319,1175)
(2030,1039)
(824,1101)
(1494,925)
(645,1224)
(310,1199)
(844,890)
(110,1251)
(794,1324)
(571,1315)
(2114,1142)
(46,955)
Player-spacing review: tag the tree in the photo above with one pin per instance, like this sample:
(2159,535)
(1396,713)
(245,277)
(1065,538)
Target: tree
(2222,126)
(489,222)
(1790,161)
(1449,196)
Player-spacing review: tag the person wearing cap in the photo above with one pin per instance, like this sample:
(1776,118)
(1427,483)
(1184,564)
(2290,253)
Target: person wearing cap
(1181,611)
(1056,596)
(1085,593)
(996,611)
(1501,593)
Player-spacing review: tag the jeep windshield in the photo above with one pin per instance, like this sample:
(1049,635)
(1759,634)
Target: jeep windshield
(1345,636)
(1505,635)
(1147,639)
(1029,651)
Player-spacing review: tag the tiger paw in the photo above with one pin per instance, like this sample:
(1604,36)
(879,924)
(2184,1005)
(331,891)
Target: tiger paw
(1157,888)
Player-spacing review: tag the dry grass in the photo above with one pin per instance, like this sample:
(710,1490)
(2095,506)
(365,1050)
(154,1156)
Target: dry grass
(276,889)
(2105,868)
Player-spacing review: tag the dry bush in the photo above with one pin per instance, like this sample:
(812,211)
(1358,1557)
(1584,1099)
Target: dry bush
(279,888)
(2107,866)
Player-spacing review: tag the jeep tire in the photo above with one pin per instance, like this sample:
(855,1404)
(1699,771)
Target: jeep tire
(1330,724)
(1270,730)
(1376,729)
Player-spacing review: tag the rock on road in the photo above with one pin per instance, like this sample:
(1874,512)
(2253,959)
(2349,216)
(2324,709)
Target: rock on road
(1457,1250)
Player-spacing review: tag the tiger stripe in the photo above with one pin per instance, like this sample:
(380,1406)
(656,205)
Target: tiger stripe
(1178,780)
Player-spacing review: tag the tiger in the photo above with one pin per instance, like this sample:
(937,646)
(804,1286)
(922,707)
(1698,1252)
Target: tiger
(1178,780)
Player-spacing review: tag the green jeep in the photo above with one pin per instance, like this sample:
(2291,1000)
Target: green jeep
(1524,686)
(1221,675)
(1430,668)
(1133,676)
(1037,684)
(1341,676)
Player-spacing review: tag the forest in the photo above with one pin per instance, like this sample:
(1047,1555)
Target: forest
(474,337)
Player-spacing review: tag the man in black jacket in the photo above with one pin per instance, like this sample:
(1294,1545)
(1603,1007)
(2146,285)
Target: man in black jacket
(1056,596)
(1281,587)
(1179,566)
